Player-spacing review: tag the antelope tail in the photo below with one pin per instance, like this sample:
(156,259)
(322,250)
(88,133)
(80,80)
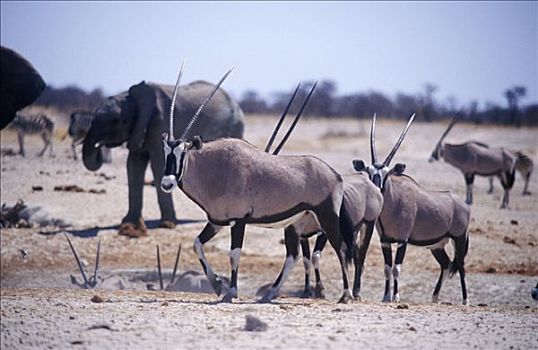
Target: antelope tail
(348,233)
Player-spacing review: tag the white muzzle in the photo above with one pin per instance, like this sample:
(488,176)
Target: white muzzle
(168,183)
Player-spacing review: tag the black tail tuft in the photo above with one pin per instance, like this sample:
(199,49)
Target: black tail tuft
(347,233)
(461,248)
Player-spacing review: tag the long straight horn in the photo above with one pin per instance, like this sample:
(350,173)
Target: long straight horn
(450,125)
(98,254)
(193,119)
(279,124)
(399,142)
(281,144)
(175,265)
(172,106)
(78,262)
(373,152)
(159,268)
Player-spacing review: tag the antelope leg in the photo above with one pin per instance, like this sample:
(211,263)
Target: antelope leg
(359,256)
(387,256)
(209,231)
(238,233)
(444,262)
(307,261)
(161,284)
(400,254)
(292,252)
(316,256)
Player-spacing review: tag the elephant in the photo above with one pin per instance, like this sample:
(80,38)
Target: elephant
(20,84)
(139,117)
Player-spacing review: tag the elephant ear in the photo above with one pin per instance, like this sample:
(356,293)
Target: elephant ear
(144,98)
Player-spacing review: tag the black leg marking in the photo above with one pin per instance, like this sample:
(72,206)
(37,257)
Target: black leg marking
(292,252)
(207,233)
(321,241)
(238,233)
(444,262)
(469,179)
(307,261)
(461,247)
(330,224)
(400,254)
(387,256)
(359,257)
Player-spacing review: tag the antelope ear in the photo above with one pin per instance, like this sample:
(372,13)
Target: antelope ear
(359,165)
(196,143)
(399,168)
(144,98)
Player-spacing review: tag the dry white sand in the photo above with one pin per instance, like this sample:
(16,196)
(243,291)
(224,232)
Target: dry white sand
(41,309)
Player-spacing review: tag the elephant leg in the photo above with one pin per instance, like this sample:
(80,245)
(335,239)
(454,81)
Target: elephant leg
(166,205)
(133,224)
(20,137)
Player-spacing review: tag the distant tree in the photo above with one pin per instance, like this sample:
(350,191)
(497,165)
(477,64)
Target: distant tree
(322,101)
(405,105)
(251,102)
(513,95)
(427,106)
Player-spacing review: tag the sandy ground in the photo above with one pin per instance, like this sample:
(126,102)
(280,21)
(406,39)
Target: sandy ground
(40,308)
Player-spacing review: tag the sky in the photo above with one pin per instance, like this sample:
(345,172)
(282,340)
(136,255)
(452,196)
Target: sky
(469,50)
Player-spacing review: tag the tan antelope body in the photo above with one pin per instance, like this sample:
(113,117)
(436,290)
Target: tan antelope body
(475,158)
(413,215)
(362,203)
(237,184)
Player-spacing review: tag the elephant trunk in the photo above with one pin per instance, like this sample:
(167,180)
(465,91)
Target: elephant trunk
(91,152)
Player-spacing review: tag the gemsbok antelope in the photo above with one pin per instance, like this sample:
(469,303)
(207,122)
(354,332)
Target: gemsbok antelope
(237,184)
(362,204)
(475,158)
(414,215)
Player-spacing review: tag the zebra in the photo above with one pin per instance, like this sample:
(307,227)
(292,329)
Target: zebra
(80,123)
(31,125)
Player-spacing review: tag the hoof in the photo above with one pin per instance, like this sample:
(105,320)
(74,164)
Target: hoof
(396,298)
(216,283)
(465,302)
(319,292)
(228,297)
(386,298)
(307,293)
(344,299)
(357,296)
(167,224)
(435,299)
(267,298)
(133,231)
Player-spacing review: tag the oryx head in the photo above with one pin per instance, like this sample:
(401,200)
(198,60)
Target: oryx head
(436,154)
(378,172)
(175,150)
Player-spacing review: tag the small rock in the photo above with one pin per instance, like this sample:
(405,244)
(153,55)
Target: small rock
(514,222)
(254,324)
(509,240)
(482,304)
(413,329)
(77,342)
(402,306)
(71,317)
(97,299)
(37,188)
(165,303)
(491,270)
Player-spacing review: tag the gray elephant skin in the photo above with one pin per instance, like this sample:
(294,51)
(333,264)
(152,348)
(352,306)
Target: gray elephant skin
(139,117)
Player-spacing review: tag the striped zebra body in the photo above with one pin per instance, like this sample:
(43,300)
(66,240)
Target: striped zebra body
(34,125)
(79,126)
